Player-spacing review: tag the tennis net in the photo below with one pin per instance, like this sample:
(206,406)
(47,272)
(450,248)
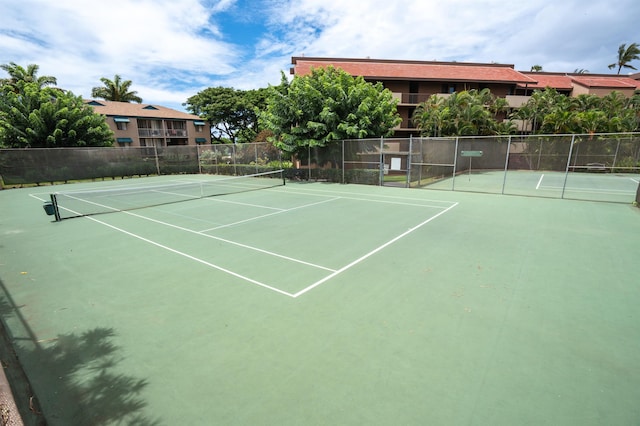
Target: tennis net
(69,204)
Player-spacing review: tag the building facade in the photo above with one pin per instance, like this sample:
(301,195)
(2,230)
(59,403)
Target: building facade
(137,125)
(413,82)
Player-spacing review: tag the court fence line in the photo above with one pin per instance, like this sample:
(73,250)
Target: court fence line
(563,166)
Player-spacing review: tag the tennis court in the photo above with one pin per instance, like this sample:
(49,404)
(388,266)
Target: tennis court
(608,187)
(316,303)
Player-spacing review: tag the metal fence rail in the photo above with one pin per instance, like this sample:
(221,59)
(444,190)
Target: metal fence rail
(603,167)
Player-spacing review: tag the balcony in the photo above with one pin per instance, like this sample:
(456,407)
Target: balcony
(416,98)
(150,133)
(516,101)
(176,133)
(161,133)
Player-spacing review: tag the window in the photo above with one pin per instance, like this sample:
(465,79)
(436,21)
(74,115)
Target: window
(121,122)
(448,88)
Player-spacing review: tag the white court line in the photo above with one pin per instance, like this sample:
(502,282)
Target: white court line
(219,200)
(593,190)
(188,256)
(634,180)
(250,280)
(320,193)
(371,253)
(290,259)
(540,181)
(213,237)
(270,214)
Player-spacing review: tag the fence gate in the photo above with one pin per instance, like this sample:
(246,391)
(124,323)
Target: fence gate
(394,160)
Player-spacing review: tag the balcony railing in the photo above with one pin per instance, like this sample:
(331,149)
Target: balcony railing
(150,133)
(176,133)
(417,98)
(516,101)
(159,133)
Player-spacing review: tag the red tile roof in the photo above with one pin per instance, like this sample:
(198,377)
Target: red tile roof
(609,82)
(415,70)
(566,81)
(127,109)
(557,81)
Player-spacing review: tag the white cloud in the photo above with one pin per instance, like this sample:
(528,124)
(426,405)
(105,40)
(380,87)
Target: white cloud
(571,32)
(172,49)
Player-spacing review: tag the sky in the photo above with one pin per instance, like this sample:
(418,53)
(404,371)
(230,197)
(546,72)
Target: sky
(173,49)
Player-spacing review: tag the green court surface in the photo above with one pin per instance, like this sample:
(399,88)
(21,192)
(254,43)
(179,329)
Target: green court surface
(325,304)
(609,187)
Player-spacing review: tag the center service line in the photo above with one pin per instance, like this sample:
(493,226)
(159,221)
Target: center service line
(371,253)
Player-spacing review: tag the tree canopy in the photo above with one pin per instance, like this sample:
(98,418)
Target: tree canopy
(32,116)
(326,106)
(548,111)
(116,90)
(18,73)
(233,114)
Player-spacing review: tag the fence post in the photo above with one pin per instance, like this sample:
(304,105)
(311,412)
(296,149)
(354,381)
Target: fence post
(506,164)
(455,166)
(343,161)
(198,159)
(155,152)
(566,172)
(381,161)
(235,166)
(409,161)
(615,157)
(309,163)
(255,155)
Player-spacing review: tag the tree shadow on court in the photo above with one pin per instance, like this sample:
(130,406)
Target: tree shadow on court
(75,377)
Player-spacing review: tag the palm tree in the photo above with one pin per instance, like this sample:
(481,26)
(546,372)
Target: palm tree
(28,75)
(536,68)
(116,90)
(626,55)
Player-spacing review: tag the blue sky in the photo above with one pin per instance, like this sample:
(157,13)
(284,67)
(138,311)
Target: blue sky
(172,49)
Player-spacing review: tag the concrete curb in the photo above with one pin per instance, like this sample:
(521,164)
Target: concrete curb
(9,415)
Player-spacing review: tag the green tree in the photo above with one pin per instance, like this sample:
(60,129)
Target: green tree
(626,55)
(429,116)
(466,113)
(233,114)
(28,75)
(541,103)
(552,112)
(35,117)
(116,90)
(326,106)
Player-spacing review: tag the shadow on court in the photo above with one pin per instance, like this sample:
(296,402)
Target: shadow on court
(73,375)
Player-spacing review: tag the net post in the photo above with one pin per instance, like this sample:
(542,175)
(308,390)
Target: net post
(56,211)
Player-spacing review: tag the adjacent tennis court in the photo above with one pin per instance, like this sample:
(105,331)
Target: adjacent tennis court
(609,187)
(314,303)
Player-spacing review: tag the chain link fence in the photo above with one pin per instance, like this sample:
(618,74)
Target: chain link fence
(603,167)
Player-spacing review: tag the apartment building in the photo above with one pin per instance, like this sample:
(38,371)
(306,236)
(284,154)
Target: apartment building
(413,82)
(151,125)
